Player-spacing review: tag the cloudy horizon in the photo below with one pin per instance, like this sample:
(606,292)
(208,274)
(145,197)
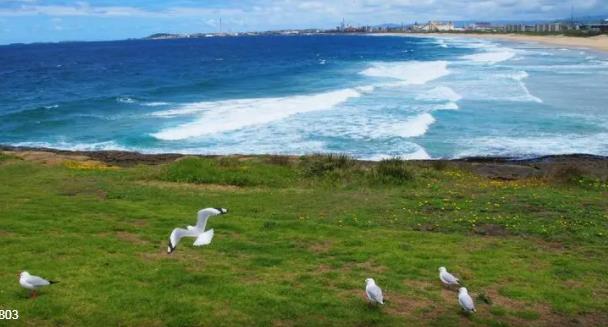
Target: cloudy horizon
(58,20)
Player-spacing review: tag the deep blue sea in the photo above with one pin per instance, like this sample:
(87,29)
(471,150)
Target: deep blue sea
(370,96)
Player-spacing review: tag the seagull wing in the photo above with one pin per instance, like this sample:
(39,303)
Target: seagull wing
(448,278)
(204,215)
(466,302)
(177,234)
(37,281)
(374,293)
(204,238)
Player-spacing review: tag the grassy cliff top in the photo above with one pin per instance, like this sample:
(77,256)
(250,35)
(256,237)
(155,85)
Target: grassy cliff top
(301,236)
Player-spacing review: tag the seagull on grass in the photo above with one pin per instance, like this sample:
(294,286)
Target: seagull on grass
(447,278)
(465,300)
(32,282)
(374,293)
(198,231)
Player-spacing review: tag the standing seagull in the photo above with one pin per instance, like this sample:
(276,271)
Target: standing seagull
(447,278)
(32,282)
(465,300)
(374,293)
(202,237)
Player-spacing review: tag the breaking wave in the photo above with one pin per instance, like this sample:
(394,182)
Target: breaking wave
(222,116)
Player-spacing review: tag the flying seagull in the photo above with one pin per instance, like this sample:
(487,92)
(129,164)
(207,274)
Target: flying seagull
(447,278)
(32,282)
(202,237)
(465,300)
(374,293)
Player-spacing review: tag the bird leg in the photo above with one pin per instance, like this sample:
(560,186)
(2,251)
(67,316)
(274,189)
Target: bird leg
(33,296)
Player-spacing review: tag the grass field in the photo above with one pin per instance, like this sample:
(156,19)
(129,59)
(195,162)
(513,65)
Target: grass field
(300,239)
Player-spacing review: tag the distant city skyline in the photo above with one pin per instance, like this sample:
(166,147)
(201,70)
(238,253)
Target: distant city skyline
(59,20)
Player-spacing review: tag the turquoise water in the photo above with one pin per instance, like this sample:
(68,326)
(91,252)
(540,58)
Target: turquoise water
(369,96)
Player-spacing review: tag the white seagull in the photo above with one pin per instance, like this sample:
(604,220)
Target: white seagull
(32,282)
(202,237)
(447,278)
(374,293)
(465,300)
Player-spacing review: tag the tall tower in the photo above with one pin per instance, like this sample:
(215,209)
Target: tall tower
(572,15)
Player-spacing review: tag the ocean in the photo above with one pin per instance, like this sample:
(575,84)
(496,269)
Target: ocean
(372,97)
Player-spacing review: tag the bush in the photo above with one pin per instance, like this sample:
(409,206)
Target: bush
(278,160)
(4,156)
(320,165)
(393,171)
(439,165)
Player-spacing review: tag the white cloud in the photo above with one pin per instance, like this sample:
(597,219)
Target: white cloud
(277,12)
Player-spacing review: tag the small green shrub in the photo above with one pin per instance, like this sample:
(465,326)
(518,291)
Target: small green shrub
(278,160)
(393,171)
(320,165)
(439,165)
(228,162)
(4,157)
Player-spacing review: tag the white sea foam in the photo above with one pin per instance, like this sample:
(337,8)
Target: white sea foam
(65,145)
(366,88)
(416,126)
(440,93)
(491,57)
(535,145)
(441,43)
(412,127)
(419,154)
(447,106)
(155,104)
(409,72)
(519,77)
(125,100)
(230,115)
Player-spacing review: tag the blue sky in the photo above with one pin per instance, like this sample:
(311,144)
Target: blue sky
(57,20)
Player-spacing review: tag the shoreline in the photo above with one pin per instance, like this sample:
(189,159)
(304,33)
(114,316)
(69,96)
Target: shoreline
(502,168)
(598,43)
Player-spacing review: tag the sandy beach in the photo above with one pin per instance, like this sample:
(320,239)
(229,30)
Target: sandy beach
(599,42)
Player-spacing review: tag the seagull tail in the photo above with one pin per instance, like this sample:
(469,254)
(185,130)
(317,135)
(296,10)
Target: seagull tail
(204,238)
(53,281)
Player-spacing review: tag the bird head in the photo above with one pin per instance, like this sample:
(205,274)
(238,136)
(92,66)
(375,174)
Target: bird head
(463,290)
(369,280)
(221,210)
(23,274)
(442,269)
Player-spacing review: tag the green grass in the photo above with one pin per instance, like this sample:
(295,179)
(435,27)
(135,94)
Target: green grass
(298,243)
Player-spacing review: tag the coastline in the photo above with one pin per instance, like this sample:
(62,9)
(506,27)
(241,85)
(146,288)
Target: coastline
(599,43)
(500,168)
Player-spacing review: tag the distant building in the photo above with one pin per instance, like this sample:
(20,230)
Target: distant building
(433,26)
(515,28)
(602,28)
(549,28)
(480,26)
(538,28)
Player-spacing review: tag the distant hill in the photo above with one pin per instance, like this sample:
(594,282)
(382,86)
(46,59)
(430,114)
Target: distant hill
(162,36)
